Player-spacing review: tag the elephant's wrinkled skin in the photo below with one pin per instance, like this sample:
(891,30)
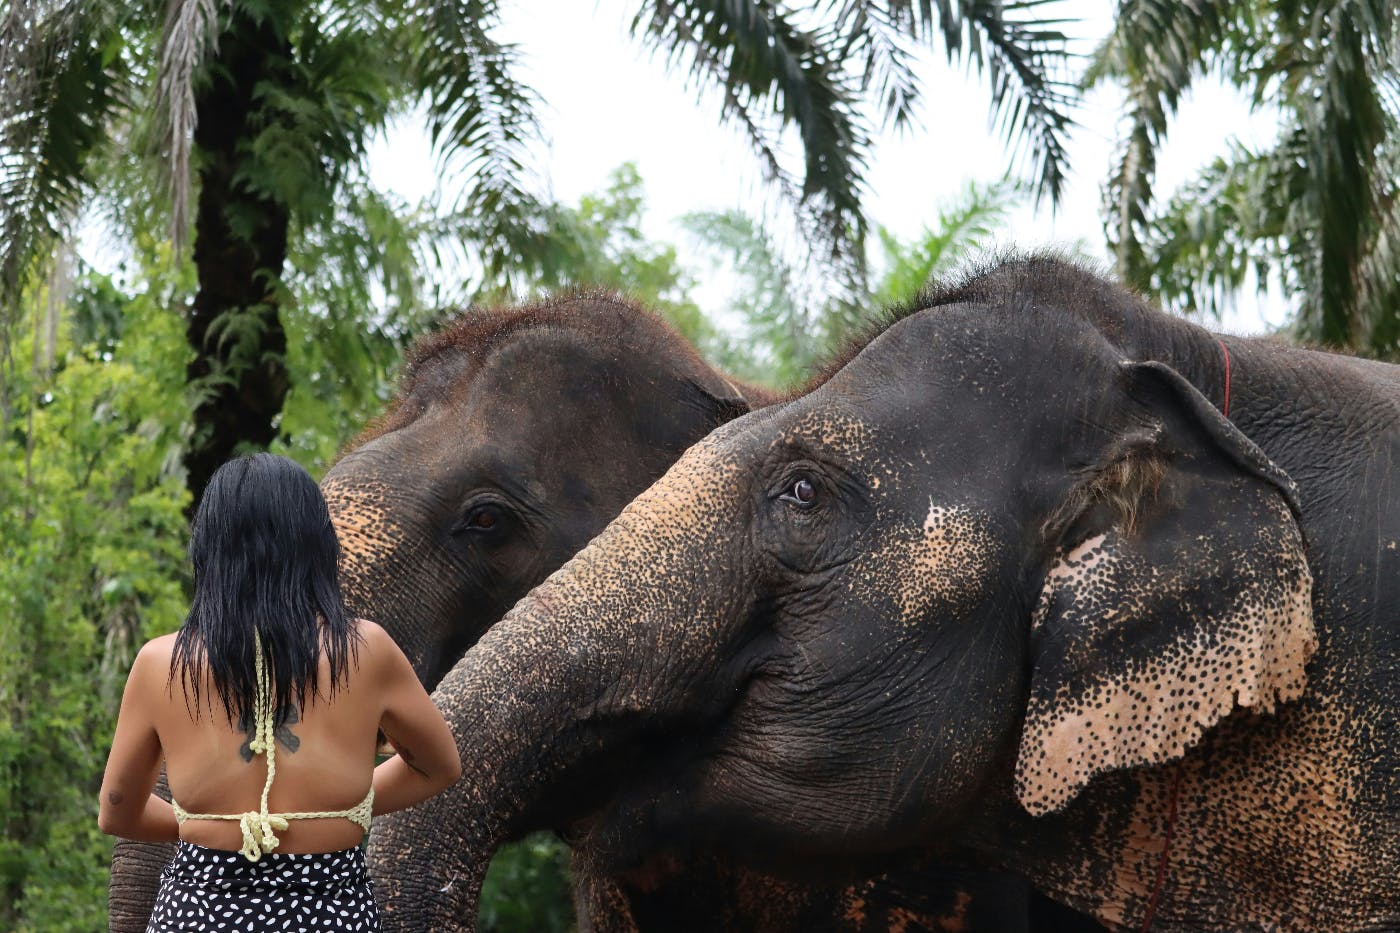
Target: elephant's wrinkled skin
(1008,578)
(515,437)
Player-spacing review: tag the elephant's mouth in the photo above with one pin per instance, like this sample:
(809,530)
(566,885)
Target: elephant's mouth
(635,822)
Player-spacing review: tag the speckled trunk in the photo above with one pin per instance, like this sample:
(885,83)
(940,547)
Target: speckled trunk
(547,696)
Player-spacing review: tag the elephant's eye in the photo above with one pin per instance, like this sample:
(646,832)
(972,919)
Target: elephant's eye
(801,492)
(482,519)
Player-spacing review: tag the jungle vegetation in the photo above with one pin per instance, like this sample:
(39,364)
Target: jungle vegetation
(266,290)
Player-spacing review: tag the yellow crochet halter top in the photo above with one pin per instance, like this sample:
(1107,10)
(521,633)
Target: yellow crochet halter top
(258,825)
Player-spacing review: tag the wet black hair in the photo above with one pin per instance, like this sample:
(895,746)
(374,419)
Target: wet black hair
(264,554)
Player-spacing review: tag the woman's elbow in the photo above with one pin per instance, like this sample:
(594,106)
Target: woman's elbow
(453,771)
(109,822)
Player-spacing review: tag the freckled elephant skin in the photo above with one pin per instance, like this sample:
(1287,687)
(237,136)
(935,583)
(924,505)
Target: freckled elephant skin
(1007,583)
(549,419)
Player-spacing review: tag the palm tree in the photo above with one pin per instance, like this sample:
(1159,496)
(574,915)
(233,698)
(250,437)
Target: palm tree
(779,327)
(1318,209)
(272,105)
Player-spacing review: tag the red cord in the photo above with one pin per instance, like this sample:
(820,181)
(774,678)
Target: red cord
(1166,851)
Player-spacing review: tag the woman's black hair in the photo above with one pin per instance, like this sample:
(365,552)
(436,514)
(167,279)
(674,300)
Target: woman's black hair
(264,554)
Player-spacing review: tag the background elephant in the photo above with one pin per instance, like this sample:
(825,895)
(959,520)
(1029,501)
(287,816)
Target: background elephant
(1007,581)
(514,437)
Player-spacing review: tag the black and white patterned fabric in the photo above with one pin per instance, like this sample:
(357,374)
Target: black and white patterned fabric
(213,890)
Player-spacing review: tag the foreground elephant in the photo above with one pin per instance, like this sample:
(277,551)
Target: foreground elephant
(1009,577)
(516,435)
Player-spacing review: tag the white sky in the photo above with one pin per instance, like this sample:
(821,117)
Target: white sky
(606,101)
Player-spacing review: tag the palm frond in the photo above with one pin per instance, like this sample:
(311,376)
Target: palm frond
(764,64)
(1157,49)
(1378,288)
(190,33)
(878,37)
(1023,54)
(60,78)
(777,335)
(1342,117)
(1228,225)
(961,228)
(482,118)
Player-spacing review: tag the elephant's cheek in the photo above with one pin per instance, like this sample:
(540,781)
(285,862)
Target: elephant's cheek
(930,585)
(388,573)
(945,567)
(924,578)
(372,543)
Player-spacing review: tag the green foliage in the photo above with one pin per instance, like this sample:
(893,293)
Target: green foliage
(959,229)
(779,327)
(600,243)
(354,303)
(91,503)
(776,334)
(1317,211)
(527,888)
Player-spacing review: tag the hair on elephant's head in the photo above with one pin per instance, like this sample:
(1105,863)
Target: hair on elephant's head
(515,435)
(984,561)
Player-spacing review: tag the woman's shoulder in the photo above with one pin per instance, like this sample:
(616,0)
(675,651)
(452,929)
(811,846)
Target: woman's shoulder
(152,662)
(157,651)
(373,639)
(378,648)
(371,634)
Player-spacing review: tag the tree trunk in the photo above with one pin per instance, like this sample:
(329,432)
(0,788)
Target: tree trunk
(238,372)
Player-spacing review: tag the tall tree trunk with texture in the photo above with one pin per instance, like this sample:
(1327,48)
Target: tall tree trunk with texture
(239,369)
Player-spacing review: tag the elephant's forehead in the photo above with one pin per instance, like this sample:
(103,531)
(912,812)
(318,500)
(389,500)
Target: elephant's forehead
(834,429)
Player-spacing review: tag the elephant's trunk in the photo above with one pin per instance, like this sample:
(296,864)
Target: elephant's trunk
(545,707)
(135,879)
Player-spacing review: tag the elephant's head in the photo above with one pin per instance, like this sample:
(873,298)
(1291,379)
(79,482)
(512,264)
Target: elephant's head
(516,435)
(983,563)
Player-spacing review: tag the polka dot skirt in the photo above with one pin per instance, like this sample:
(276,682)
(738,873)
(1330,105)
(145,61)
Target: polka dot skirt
(214,890)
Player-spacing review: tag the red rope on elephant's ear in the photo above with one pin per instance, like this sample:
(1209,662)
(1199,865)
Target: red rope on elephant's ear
(1166,849)
(1176,774)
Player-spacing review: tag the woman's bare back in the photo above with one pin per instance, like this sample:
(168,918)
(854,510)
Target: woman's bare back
(325,755)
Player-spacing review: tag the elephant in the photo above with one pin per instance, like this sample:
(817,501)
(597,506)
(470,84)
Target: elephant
(1035,573)
(515,435)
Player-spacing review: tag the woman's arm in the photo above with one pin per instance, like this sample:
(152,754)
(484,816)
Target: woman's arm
(126,806)
(427,760)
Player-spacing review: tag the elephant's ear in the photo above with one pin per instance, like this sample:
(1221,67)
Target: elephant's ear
(723,400)
(1179,590)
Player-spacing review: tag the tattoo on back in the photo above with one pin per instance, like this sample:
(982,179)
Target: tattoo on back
(282,734)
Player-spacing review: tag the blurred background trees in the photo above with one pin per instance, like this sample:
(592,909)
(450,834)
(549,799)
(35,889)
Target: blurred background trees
(264,289)
(1317,211)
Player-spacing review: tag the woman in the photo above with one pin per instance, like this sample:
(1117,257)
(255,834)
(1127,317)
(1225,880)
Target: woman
(266,707)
